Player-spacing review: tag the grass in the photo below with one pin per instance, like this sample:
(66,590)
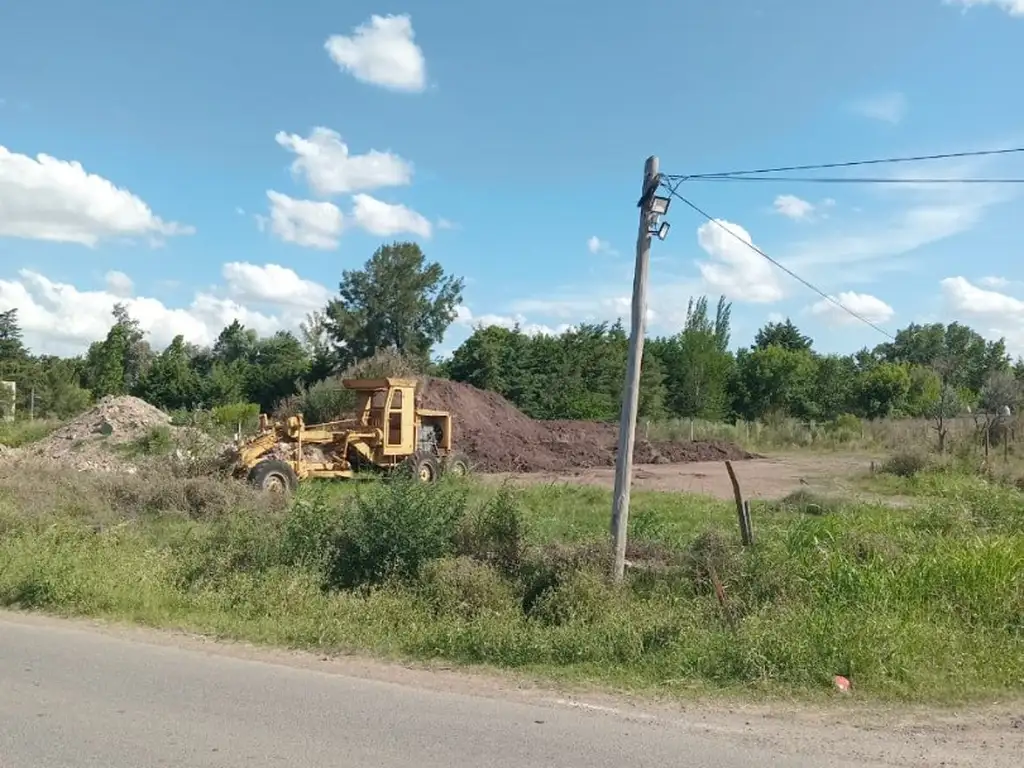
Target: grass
(923,605)
(15,434)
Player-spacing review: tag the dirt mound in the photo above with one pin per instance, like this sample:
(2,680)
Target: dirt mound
(498,437)
(90,441)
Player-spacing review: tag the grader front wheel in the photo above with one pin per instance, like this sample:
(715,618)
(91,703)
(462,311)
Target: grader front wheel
(423,467)
(456,465)
(273,476)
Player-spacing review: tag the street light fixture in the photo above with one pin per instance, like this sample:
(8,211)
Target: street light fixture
(659,205)
(662,231)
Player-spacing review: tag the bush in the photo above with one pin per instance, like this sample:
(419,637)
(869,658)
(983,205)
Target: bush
(905,464)
(15,434)
(496,533)
(231,415)
(391,529)
(581,597)
(465,588)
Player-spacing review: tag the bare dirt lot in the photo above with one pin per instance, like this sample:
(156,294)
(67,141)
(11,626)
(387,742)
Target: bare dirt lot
(765,478)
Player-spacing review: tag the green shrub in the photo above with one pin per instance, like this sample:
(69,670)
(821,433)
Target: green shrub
(310,529)
(231,415)
(905,464)
(496,533)
(15,434)
(391,529)
(465,588)
(580,597)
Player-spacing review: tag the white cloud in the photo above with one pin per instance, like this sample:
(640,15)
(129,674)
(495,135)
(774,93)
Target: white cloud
(381,52)
(596,245)
(324,161)
(118,283)
(884,107)
(467,318)
(993,313)
(736,269)
(994,282)
(43,198)
(446,224)
(1012,7)
(793,207)
(386,219)
(869,307)
(62,319)
(272,284)
(910,216)
(308,223)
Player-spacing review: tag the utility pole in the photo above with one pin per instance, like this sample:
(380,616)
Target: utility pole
(631,391)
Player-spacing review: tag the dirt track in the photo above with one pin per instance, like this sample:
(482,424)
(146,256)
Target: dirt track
(767,478)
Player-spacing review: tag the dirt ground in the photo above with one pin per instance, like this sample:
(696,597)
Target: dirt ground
(764,478)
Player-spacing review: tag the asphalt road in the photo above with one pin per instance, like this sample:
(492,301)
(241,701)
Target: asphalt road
(70,696)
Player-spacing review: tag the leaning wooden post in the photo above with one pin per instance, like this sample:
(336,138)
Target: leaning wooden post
(741,512)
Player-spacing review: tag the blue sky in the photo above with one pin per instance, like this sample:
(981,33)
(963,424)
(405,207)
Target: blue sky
(233,158)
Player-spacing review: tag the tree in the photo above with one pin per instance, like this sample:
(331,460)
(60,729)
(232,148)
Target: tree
(773,380)
(396,301)
(12,348)
(882,390)
(116,365)
(784,334)
(696,362)
(171,382)
(276,367)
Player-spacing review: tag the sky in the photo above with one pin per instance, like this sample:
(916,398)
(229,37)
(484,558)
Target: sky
(206,161)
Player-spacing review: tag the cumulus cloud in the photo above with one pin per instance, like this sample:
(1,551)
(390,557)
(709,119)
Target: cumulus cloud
(869,307)
(44,198)
(308,223)
(272,284)
(387,219)
(63,319)
(467,318)
(735,268)
(1012,7)
(382,52)
(118,283)
(884,107)
(323,160)
(793,207)
(596,245)
(994,313)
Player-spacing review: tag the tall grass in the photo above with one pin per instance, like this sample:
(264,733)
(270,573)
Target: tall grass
(15,434)
(922,604)
(845,433)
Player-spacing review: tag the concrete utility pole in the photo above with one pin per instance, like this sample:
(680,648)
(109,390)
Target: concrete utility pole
(631,392)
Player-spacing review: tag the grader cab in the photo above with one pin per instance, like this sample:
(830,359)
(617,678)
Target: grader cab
(387,433)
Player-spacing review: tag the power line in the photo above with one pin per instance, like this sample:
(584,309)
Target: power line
(846,180)
(851,163)
(787,270)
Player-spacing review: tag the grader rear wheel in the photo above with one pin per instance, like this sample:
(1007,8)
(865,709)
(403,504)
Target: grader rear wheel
(455,465)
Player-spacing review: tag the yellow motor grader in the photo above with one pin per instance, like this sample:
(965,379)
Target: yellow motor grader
(387,433)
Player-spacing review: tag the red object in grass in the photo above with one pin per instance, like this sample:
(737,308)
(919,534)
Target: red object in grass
(841,683)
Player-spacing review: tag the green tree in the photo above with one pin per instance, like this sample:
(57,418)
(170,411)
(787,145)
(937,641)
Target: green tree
(171,382)
(784,334)
(116,365)
(396,301)
(696,362)
(882,390)
(277,367)
(12,348)
(773,380)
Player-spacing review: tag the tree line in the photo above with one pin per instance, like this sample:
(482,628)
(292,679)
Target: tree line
(400,305)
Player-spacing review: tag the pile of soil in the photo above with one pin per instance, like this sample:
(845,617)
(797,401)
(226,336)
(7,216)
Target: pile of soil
(89,441)
(498,437)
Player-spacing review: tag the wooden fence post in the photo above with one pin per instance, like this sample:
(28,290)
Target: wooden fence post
(742,507)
